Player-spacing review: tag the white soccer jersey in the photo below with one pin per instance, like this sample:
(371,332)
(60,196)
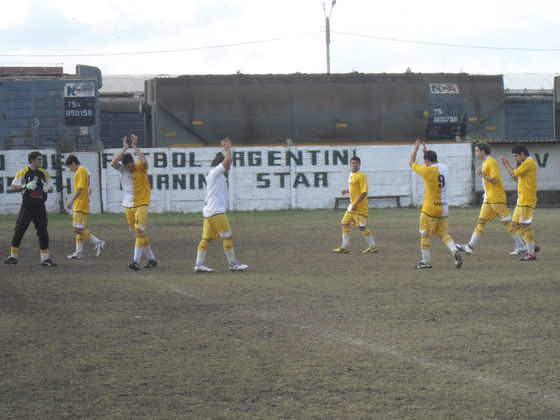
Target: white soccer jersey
(216,192)
(436,203)
(127,186)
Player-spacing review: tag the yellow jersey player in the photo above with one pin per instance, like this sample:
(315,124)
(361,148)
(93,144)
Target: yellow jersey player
(136,189)
(435,209)
(216,223)
(526,177)
(80,203)
(35,183)
(494,200)
(357,211)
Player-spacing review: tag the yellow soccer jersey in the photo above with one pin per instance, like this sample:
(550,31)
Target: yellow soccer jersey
(526,175)
(358,185)
(135,186)
(435,179)
(493,193)
(82,180)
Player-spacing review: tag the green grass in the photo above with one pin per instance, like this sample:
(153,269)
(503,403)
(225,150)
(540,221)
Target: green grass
(303,334)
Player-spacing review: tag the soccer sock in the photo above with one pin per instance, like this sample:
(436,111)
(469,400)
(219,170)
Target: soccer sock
(91,237)
(521,232)
(478,231)
(517,238)
(426,245)
(474,239)
(530,238)
(149,253)
(138,247)
(203,245)
(228,243)
(480,226)
(448,241)
(514,234)
(148,249)
(201,252)
(345,237)
(137,254)
(14,251)
(44,254)
(200,255)
(79,243)
(230,256)
(369,237)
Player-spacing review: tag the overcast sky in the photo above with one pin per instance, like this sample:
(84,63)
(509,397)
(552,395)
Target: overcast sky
(263,36)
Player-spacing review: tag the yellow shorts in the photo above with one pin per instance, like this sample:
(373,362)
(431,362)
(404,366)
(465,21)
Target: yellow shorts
(490,211)
(79,219)
(433,225)
(136,217)
(351,218)
(216,226)
(523,214)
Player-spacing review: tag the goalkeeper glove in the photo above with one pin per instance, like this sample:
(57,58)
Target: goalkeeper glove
(31,185)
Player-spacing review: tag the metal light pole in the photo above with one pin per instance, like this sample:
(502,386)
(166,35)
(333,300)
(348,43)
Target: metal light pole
(328,33)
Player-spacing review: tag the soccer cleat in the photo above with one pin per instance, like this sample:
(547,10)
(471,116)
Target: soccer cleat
(370,250)
(537,248)
(238,267)
(202,269)
(341,250)
(423,264)
(467,249)
(48,263)
(11,261)
(76,256)
(151,264)
(529,257)
(458,260)
(518,251)
(134,266)
(99,247)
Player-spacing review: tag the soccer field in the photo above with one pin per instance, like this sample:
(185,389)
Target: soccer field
(304,333)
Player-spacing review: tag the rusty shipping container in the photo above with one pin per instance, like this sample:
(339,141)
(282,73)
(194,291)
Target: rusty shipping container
(323,108)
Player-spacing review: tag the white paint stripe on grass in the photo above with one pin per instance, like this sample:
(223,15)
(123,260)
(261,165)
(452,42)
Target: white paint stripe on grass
(508,387)
(512,389)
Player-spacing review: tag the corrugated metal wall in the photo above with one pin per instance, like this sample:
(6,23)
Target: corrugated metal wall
(39,112)
(120,116)
(529,119)
(324,109)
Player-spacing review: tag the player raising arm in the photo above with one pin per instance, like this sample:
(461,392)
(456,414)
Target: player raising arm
(494,200)
(136,191)
(526,177)
(216,223)
(435,210)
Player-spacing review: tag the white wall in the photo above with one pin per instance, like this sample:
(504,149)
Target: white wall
(261,178)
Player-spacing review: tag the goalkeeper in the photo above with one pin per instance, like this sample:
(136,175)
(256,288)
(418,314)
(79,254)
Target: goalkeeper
(35,183)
